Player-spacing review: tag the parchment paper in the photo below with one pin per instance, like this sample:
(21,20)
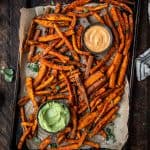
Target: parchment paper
(120,123)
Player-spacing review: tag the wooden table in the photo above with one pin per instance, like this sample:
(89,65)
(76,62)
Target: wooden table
(139,125)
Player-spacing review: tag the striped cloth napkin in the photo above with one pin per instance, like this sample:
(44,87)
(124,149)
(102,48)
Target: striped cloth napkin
(143,61)
(143,65)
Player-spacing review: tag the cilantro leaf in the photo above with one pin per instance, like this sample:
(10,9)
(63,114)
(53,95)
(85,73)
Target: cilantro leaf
(8,74)
(53,145)
(85,10)
(36,140)
(57,87)
(33,66)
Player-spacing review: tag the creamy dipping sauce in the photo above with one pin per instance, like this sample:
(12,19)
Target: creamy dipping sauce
(53,116)
(97,38)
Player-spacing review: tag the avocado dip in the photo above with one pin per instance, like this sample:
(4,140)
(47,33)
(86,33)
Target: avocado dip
(53,116)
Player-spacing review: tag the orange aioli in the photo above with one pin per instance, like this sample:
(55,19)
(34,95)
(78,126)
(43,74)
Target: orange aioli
(97,38)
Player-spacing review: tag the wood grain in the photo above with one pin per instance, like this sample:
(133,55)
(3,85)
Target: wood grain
(9,25)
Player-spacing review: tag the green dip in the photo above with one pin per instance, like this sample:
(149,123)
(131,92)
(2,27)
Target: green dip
(53,116)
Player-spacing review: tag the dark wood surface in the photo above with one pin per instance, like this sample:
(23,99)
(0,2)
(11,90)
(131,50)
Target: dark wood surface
(139,125)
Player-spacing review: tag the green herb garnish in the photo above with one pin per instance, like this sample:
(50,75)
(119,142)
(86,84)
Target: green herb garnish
(85,10)
(52,2)
(118,115)
(33,66)
(110,132)
(116,24)
(8,74)
(57,87)
(36,140)
(53,145)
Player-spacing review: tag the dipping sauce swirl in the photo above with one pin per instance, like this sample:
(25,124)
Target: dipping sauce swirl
(53,116)
(97,38)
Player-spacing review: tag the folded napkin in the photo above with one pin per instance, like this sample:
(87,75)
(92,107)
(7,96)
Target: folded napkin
(143,65)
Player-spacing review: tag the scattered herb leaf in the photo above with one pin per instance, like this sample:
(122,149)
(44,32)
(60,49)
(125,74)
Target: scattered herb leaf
(85,10)
(116,24)
(71,57)
(57,87)
(52,2)
(110,132)
(33,66)
(36,140)
(53,145)
(8,74)
(118,115)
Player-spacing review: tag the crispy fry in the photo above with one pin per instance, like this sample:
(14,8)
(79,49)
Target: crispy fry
(34,127)
(25,124)
(48,49)
(88,66)
(118,3)
(54,36)
(103,133)
(43,145)
(40,75)
(125,17)
(129,41)
(109,22)
(96,85)
(113,103)
(50,24)
(115,65)
(103,121)
(123,69)
(92,78)
(22,139)
(57,17)
(70,97)
(29,88)
(116,16)
(32,48)
(58,96)
(45,84)
(61,57)
(75,4)
(103,61)
(57,8)
(74,122)
(60,44)
(78,36)
(68,44)
(98,17)
(76,48)
(87,120)
(22,101)
(82,89)
(22,116)
(55,66)
(73,22)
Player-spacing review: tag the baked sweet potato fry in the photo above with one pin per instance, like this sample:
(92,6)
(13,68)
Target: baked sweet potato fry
(23,138)
(54,36)
(75,4)
(40,75)
(43,145)
(55,66)
(57,17)
(30,93)
(92,78)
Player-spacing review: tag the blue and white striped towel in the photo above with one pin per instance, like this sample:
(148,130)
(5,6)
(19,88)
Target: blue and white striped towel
(143,65)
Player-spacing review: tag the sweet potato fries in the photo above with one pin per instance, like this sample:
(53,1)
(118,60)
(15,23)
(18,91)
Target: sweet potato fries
(93,89)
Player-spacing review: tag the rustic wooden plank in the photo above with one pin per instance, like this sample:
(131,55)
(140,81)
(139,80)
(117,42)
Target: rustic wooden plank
(9,24)
(9,21)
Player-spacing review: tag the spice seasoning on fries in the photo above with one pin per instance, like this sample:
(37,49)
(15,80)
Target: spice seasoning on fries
(91,86)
